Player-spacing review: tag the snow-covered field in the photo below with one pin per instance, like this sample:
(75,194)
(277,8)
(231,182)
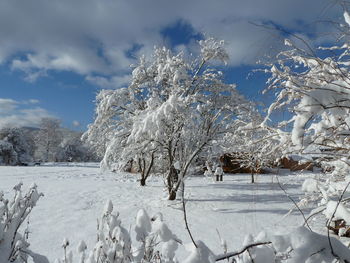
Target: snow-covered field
(75,195)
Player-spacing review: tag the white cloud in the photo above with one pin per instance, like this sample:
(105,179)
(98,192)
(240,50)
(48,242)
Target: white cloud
(19,114)
(7,105)
(111,82)
(29,101)
(92,37)
(76,123)
(33,101)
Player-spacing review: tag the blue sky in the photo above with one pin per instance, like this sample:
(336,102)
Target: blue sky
(56,55)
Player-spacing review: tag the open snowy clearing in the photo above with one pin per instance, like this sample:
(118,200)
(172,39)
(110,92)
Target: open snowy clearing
(75,195)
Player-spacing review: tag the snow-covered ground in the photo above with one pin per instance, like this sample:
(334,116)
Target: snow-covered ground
(75,195)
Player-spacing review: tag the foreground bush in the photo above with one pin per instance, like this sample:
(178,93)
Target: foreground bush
(14,246)
(156,243)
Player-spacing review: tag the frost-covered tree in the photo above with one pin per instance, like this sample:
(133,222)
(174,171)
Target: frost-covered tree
(17,146)
(115,112)
(48,139)
(315,87)
(174,108)
(73,149)
(100,133)
(8,156)
(251,146)
(254,148)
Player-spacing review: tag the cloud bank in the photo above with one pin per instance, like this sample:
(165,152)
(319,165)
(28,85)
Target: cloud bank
(21,114)
(94,38)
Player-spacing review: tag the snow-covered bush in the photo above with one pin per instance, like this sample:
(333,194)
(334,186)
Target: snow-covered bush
(300,245)
(114,242)
(14,246)
(156,241)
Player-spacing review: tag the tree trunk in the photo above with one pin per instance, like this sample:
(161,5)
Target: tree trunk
(172,195)
(253,181)
(143,181)
(172,179)
(145,174)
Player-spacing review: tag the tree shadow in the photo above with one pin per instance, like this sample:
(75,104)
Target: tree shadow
(248,211)
(247,198)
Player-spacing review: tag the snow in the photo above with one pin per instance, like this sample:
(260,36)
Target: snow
(305,243)
(339,211)
(201,254)
(310,185)
(143,225)
(75,196)
(347,18)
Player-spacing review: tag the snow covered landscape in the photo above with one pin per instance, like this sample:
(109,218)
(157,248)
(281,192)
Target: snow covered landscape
(175,131)
(75,195)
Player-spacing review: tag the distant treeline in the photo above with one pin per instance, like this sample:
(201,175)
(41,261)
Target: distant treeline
(47,143)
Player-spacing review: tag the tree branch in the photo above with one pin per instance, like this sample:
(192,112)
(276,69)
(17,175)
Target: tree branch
(233,254)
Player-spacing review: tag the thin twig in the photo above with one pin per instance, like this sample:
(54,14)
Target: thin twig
(296,205)
(250,255)
(313,214)
(330,220)
(185,215)
(224,246)
(322,249)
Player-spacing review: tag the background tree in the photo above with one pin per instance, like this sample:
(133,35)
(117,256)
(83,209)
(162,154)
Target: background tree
(17,147)
(100,133)
(8,156)
(48,139)
(73,149)
(254,148)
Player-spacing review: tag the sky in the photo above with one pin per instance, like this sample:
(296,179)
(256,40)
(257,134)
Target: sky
(56,55)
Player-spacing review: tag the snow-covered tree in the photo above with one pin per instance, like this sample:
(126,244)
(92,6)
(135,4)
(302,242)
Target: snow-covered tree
(73,149)
(48,139)
(174,108)
(100,133)
(251,146)
(315,87)
(8,156)
(115,113)
(254,148)
(17,146)
(315,90)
